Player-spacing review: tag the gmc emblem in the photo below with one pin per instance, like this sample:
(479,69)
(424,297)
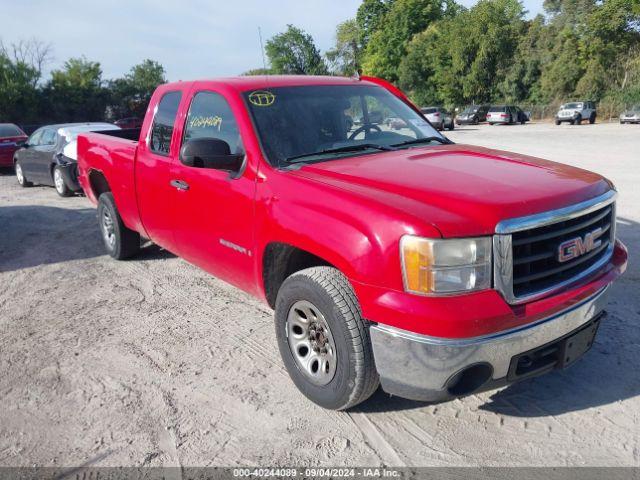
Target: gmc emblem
(578,246)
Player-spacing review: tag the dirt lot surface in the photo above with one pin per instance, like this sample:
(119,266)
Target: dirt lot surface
(153,362)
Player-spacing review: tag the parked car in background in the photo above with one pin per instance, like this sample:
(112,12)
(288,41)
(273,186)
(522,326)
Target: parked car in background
(129,122)
(49,156)
(473,115)
(631,116)
(11,139)
(575,112)
(438,117)
(506,114)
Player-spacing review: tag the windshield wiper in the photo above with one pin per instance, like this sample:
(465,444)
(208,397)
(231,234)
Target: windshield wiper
(347,148)
(444,141)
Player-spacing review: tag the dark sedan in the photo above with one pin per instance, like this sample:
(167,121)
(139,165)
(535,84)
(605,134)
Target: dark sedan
(473,115)
(11,139)
(48,157)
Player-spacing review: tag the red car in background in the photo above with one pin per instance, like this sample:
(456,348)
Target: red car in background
(11,139)
(129,122)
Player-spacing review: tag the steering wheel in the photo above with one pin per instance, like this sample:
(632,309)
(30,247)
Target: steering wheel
(364,128)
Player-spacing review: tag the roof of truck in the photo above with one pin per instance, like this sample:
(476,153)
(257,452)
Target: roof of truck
(252,82)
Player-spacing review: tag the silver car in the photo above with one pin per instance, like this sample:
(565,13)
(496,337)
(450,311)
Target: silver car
(631,116)
(438,117)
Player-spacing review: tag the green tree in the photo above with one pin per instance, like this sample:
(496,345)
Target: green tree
(369,18)
(388,44)
(465,56)
(294,52)
(21,66)
(344,58)
(131,94)
(75,93)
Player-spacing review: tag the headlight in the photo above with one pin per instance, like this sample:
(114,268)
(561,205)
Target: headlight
(444,266)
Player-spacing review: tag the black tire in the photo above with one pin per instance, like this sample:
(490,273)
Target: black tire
(558,122)
(328,290)
(21,177)
(592,119)
(125,243)
(60,185)
(451,127)
(577,121)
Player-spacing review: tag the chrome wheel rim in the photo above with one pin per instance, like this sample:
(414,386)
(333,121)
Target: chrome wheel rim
(311,343)
(58,180)
(19,174)
(108,229)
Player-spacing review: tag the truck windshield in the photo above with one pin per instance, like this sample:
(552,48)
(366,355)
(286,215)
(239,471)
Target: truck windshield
(319,123)
(570,106)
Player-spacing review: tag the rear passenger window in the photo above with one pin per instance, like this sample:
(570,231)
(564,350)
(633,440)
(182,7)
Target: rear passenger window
(211,117)
(163,121)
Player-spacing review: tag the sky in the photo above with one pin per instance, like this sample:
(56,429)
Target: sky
(191,38)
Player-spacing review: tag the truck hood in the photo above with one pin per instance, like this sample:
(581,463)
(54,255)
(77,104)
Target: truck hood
(462,190)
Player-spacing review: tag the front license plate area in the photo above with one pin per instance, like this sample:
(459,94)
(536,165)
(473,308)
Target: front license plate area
(560,353)
(579,343)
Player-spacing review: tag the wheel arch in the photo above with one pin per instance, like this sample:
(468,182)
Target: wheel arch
(98,183)
(280,260)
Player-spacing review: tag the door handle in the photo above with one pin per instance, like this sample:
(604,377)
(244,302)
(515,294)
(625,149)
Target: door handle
(179,184)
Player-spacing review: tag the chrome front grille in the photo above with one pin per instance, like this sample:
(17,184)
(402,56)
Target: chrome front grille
(537,255)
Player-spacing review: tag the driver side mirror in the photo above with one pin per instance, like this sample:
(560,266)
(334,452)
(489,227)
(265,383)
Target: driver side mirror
(210,153)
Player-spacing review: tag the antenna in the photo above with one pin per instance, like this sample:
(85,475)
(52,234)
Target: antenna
(264,63)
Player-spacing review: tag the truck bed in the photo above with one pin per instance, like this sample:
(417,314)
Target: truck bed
(111,154)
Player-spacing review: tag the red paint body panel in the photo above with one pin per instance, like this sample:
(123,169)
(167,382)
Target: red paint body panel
(351,212)
(9,146)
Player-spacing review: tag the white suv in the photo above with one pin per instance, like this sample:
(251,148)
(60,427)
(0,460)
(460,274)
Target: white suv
(576,112)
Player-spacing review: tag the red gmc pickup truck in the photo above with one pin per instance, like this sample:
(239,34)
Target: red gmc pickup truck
(390,257)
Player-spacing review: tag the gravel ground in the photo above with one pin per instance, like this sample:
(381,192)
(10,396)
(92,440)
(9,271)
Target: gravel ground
(153,362)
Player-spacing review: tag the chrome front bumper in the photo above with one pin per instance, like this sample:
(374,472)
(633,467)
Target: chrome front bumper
(420,367)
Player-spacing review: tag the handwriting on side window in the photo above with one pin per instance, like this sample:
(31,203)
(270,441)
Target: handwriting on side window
(205,122)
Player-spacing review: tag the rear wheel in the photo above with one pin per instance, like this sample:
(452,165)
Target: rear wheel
(592,118)
(58,182)
(120,242)
(22,179)
(558,122)
(323,339)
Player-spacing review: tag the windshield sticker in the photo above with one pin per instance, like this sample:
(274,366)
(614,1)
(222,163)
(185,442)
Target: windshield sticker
(422,125)
(262,98)
(204,122)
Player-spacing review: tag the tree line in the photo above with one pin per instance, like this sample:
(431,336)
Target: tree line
(76,92)
(438,51)
(443,53)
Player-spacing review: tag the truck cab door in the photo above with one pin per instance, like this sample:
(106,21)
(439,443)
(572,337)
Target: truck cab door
(214,208)
(154,158)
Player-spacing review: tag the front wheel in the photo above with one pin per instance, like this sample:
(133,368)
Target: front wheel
(120,242)
(323,339)
(58,182)
(20,176)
